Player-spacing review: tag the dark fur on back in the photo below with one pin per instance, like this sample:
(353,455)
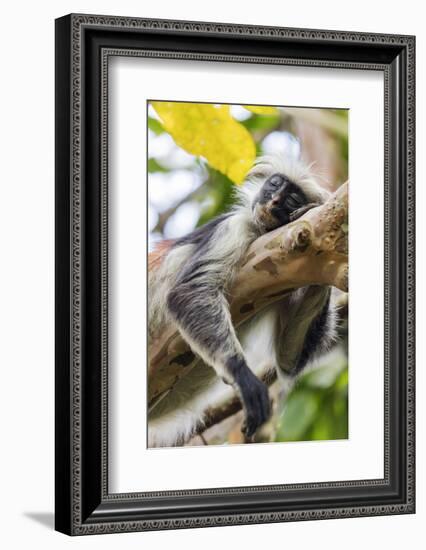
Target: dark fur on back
(202,235)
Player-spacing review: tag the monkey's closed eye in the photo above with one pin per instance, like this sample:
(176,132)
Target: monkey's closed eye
(275,182)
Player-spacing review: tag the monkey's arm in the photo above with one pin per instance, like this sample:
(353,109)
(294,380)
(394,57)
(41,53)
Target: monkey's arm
(201,312)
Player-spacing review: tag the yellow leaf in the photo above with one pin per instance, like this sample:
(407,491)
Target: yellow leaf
(209,131)
(258,110)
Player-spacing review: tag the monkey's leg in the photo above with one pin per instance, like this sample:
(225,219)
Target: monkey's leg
(306,326)
(201,313)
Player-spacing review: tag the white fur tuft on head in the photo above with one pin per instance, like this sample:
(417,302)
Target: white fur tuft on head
(296,171)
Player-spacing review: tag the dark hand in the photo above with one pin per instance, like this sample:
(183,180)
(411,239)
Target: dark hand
(255,398)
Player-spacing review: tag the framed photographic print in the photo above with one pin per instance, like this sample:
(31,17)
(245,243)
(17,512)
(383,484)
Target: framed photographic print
(216,185)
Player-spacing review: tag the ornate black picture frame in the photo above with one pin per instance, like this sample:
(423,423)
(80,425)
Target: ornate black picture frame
(83,45)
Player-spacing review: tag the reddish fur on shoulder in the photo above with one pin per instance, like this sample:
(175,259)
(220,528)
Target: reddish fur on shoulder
(156,256)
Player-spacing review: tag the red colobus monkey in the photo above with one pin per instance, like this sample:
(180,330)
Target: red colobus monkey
(187,285)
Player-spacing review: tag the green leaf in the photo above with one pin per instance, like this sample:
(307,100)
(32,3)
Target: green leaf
(323,428)
(299,413)
(343,380)
(155,166)
(155,126)
(260,122)
(218,198)
(317,406)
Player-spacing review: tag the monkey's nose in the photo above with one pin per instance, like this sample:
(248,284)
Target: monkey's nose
(275,200)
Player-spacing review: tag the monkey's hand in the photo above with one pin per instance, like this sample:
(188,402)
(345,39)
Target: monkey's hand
(255,397)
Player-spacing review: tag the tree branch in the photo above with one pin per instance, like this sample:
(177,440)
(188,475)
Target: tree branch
(313,250)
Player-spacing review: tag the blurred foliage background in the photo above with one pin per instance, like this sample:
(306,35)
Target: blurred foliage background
(197,154)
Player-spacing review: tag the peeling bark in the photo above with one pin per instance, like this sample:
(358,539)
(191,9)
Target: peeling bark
(313,250)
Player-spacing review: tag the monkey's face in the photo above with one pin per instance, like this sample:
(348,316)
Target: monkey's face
(279,202)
